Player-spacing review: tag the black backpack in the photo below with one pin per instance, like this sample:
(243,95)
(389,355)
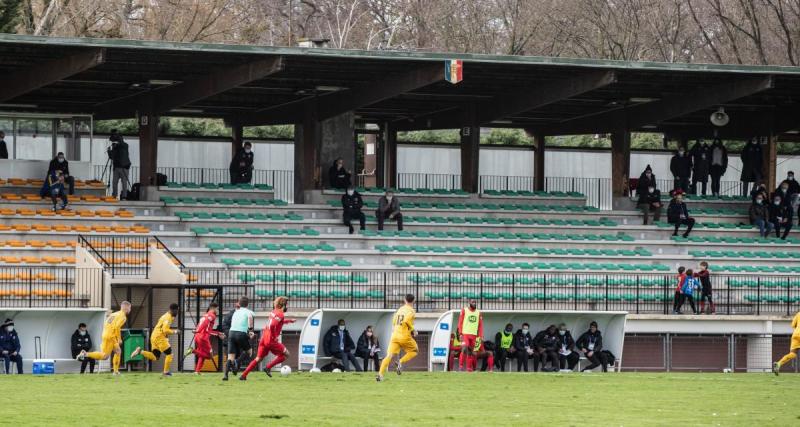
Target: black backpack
(610,358)
(161,179)
(133,194)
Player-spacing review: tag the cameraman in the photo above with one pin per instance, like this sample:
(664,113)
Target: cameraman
(241,167)
(121,162)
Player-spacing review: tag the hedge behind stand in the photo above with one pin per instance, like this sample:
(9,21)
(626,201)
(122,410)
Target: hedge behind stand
(610,323)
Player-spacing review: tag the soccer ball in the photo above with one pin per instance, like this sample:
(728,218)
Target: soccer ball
(336,371)
(315,370)
(285,370)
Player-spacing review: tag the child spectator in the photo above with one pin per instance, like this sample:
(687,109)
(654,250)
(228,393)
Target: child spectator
(55,183)
(677,301)
(687,291)
(705,288)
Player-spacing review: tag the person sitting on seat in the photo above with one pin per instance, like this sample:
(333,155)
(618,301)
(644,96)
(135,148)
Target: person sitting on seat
(339,344)
(338,176)
(10,347)
(759,216)
(678,215)
(82,341)
(389,208)
(780,216)
(368,348)
(504,342)
(241,167)
(591,345)
(455,350)
(60,163)
(567,356)
(351,205)
(523,343)
(547,343)
(55,188)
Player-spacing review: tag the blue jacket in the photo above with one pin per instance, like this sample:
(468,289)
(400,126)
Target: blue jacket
(689,285)
(9,341)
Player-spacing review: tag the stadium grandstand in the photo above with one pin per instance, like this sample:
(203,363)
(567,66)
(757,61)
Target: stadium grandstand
(194,237)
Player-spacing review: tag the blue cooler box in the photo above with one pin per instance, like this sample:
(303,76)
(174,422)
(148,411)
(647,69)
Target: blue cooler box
(44,366)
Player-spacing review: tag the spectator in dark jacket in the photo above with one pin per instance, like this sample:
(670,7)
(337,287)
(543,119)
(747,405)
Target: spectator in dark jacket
(525,349)
(504,343)
(681,168)
(368,348)
(646,179)
(3,146)
(10,347)
(759,216)
(718,164)
(351,205)
(60,163)
(567,356)
(701,164)
(678,215)
(590,344)
(121,162)
(55,189)
(547,343)
(759,189)
(338,176)
(339,344)
(650,202)
(82,341)
(752,166)
(780,216)
(241,167)
(389,208)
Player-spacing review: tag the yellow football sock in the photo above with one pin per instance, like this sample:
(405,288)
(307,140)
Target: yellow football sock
(96,355)
(149,356)
(385,364)
(786,359)
(167,363)
(115,362)
(408,356)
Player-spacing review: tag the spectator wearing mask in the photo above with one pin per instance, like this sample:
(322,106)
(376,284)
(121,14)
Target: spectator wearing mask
(677,298)
(121,162)
(646,179)
(338,176)
(567,356)
(678,215)
(351,209)
(590,344)
(759,216)
(368,348)
(547,344)
(504,343)
(10,347)
(681,168)
(752,164)
(3,146)
(389,208)
(780,216)
(241,167)
(794,193)
(759,189)
(339,344)
(524,347)
(60,163)
(701,164)
(704,275)
(82,341)
(718,165)
(650,202)
(56,190)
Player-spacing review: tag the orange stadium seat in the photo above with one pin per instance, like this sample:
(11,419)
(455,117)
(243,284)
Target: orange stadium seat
(15,243)
(4,227)
(37,243)
(31,260)
(45,212)
(7,276)
(22,227)
(26,212)
(137,245)
(90,199)
(12,197)
(20,292)
(10,259)
(121,229)
(67,213)
(6,211)
(62,228)
(140,229)
(124,214)
(56,244)
(118,244)
(81,228)
(51,259)
(101,228)
(85,213)
(68,260)
(32,197)
(104,214)
(110,199)
(42,227)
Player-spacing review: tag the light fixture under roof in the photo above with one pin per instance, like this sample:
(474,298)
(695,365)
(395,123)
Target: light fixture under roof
(186,110)
(329,88)
(18,105)
(642,100)
(158,82)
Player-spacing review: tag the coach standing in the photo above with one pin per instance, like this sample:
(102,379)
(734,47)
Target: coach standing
(121,162)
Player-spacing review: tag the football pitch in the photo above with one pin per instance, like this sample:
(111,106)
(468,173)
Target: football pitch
(627,399)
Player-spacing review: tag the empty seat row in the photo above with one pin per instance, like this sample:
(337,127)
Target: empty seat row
(507,265)
(210,186)
(270,247)
(514,251)
(37,198)
(413,191)
(67,213)
(211,201)
(36,260)
(695,197)
(44,228)
(335,293)
(254,231)
(40,293)
(284,278)
(239,216)
(490,280)
(27,276)
(710,225)
(39,182)
(481,206)
(602,222)
(757,269)
(474,235)
(555,297)
(746,254)
(524,193)
(285,262)
(736,240)
(36,244)
(775,299)
(771,282)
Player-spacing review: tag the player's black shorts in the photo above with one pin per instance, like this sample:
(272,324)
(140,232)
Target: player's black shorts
(238,342)
(706,292)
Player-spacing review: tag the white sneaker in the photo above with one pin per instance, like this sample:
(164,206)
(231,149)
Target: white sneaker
(81,355)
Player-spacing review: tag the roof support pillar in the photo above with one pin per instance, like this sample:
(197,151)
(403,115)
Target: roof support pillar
(620,162)
(387,157)
(148,148)
(307,140)
(470,150)
(770,159)
(538,161)
(237,137)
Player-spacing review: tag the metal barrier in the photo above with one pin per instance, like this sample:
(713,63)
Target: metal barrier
(58,287)
(596,190)
(445,290)
(502,183)
(431,181)
(120,255)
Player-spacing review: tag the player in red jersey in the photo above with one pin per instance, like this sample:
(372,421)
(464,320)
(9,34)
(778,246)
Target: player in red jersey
(202,337)
(269,339)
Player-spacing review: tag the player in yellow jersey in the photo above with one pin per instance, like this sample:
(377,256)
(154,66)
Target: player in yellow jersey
(112,338)
(403,334)
(159,340)
(794,347)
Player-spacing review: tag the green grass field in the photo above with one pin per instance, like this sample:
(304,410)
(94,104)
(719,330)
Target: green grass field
(626,399)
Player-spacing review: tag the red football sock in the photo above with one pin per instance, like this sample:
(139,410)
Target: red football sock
(278,359)
(199,364)
(250,367)
(490,362)
(461,358)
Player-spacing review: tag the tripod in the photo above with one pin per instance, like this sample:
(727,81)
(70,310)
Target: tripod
(106,170)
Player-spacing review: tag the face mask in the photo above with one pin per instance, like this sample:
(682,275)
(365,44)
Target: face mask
(680,153)
(82,332)
(369,334)
(247,150)
(389,198)
(349,192)
(651,190)
(524,331)
(10,329)
(648,174)
(759,201)
(784,189)
(790,177)
(562,333)
(777,202)
(60,160)
(341,327)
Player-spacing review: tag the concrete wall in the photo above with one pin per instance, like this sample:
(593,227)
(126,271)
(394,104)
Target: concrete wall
(37,169)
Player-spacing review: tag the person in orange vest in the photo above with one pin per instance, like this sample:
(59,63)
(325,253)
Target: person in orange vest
(470,327)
